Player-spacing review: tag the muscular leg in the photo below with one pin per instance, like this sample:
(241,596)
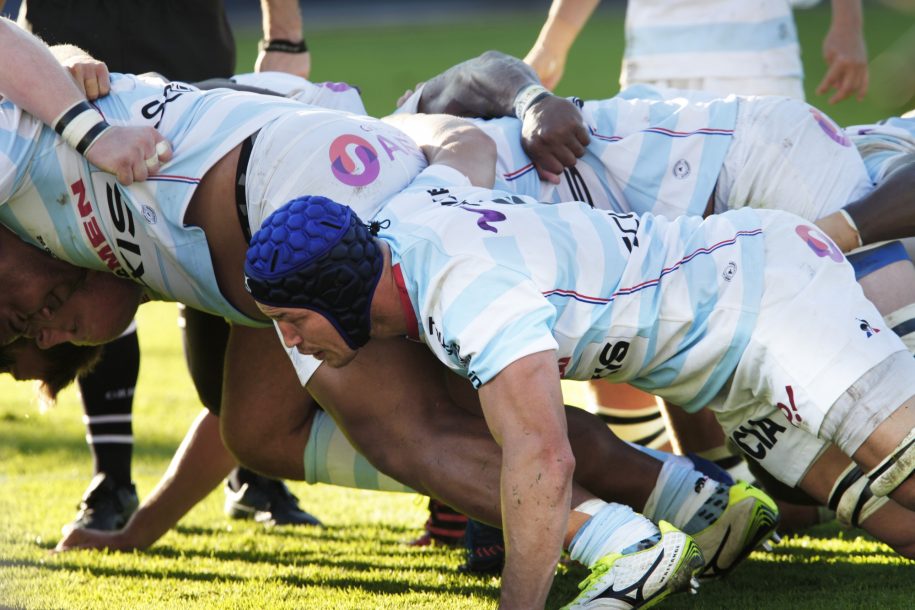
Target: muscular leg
(265,414)
(248,494)
(891,523)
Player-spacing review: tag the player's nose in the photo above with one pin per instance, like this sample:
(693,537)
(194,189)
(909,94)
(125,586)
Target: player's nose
(49,337)
(291,336)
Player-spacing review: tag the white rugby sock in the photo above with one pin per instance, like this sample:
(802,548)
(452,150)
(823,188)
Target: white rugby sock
(685,497)
(331,459)
(614,528)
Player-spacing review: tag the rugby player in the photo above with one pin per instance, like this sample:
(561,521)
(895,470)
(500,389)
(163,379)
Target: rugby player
(173,237)
(725,314)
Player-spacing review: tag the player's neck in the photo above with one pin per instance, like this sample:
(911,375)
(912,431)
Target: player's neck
(388,318)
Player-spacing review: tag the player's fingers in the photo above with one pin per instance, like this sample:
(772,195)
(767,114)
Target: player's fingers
(863,85)
(829,80)
(565,156)
(125,175)
(582,135)
(547,163)
(576,148)
(844,87)
(91,87)
(548,176)
(103,78)
(164,151)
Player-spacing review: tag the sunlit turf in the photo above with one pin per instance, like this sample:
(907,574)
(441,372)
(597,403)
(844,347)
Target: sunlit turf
(357,560)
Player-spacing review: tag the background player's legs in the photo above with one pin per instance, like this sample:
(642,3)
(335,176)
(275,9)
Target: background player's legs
(107,396)
(248,494)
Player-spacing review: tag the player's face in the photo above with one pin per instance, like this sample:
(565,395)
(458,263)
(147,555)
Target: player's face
(32,283)
(311,334)
(98,311)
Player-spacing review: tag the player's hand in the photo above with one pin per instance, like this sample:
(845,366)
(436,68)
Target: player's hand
(846,57)
(78,538)
(553,134)
(548,65)
(131,153)
(91,75)
(277,61)
(406,94)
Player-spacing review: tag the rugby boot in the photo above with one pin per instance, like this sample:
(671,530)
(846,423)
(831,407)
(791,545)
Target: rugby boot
(485,549)
(106,505)
(267,501)
(642,577)
(444,526)
(748,521)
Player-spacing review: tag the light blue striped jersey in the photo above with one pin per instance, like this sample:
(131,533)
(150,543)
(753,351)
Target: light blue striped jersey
(883,144)
(651,150)
(53,198)
(679,39)
(667,306)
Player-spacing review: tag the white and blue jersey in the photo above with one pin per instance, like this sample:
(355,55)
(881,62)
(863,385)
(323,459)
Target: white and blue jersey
(681,39)
(667,306)
(652,151)
(53,198)
(883,144)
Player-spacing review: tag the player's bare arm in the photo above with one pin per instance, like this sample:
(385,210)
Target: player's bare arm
(523,408)
(563,23)
(845,53)
(452,141)
(494,85)
(284,48)
(32,78)
(177,492)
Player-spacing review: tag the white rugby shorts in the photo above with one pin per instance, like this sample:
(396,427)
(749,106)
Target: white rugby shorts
(815,337)
(787,155)
(786,86)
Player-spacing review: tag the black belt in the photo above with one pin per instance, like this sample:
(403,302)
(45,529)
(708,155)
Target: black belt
(241,200)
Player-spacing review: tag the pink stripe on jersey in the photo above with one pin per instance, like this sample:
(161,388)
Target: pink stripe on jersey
(652,282)
(171,178)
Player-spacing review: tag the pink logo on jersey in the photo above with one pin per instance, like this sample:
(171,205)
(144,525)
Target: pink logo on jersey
(486,217)
(829,128)
(821,245)
(353,161)
(336,87)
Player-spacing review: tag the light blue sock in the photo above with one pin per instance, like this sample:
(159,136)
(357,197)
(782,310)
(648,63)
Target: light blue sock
(615,528)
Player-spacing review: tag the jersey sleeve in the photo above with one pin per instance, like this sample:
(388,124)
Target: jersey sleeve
(18,138)
(479,317)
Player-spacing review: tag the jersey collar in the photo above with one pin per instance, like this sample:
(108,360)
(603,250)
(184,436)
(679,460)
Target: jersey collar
(406,305)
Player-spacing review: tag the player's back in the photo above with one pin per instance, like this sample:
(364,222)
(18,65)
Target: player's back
(477,262)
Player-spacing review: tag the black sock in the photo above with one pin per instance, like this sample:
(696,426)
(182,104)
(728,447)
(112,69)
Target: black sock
(107,394)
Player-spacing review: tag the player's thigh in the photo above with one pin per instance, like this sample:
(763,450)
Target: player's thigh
(266,414)
(829,481)
(393,404)
(205,337)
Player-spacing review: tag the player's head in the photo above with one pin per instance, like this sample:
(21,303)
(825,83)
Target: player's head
(55,368)
(316,254)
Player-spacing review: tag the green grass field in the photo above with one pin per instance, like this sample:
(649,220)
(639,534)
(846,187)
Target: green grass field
(357,560)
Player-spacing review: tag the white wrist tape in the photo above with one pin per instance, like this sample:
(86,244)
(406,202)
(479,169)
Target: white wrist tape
(80,126)
(527,97)
(851,223)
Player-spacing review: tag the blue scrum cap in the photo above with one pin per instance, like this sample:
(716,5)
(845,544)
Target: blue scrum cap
(314,253)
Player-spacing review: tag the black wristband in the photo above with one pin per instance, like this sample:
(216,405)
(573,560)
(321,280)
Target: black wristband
(74,111)
(283,46)
(91,136)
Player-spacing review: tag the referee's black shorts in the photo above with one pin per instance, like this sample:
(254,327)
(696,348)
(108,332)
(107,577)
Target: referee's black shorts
(186,40)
